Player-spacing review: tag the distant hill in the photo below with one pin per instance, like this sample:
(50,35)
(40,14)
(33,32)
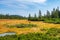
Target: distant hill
(11,16)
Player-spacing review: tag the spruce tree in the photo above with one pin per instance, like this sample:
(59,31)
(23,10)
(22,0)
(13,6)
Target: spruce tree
(53,13)
(40,16)
(48,14)
(29,18)
(57,12)
(35,17)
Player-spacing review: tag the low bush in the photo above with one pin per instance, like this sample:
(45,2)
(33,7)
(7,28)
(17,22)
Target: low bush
(53,32)
(52,20)
(21,25)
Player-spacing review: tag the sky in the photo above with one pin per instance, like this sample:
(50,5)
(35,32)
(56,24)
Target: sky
(26,7)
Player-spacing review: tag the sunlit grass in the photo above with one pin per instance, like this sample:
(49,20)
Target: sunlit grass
(40,25)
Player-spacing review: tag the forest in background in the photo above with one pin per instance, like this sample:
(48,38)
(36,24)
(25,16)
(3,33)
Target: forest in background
(50,17)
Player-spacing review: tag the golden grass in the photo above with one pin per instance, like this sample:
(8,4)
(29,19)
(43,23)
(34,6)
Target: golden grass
(40,25)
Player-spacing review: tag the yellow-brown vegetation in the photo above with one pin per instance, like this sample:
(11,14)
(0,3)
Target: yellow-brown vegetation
(40,25)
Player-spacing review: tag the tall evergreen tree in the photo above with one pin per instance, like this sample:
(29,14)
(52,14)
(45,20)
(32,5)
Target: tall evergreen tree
(40,14)
(48,14)
(53,13)
(35,17)
(29,18)
(44,15)
(57,12)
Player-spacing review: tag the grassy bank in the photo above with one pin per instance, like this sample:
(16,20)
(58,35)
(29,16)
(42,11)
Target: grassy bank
(50,34)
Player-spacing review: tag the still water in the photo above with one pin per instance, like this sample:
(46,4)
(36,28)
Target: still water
(8,33)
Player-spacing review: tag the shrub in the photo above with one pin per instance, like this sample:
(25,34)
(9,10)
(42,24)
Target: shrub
(22,25)
(51,34)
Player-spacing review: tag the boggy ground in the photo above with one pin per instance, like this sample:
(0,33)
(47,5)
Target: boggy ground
(40,25)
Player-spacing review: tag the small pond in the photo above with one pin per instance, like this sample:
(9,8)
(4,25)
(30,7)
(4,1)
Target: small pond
(7,33)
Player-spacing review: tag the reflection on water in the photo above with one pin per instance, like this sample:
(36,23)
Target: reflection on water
(8,33)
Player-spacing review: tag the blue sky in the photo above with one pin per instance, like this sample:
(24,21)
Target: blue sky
(24,7)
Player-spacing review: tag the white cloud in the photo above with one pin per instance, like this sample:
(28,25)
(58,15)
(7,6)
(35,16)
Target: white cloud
(21,3)
(36,1)
(28,5)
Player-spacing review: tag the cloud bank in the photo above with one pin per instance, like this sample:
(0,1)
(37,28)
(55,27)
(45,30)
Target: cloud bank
(36,1)
(20,6)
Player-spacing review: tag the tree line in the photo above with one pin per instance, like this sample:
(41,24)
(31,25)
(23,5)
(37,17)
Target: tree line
(53,16)
(7,16)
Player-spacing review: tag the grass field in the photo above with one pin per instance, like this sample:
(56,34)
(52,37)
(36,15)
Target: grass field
(40,25)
